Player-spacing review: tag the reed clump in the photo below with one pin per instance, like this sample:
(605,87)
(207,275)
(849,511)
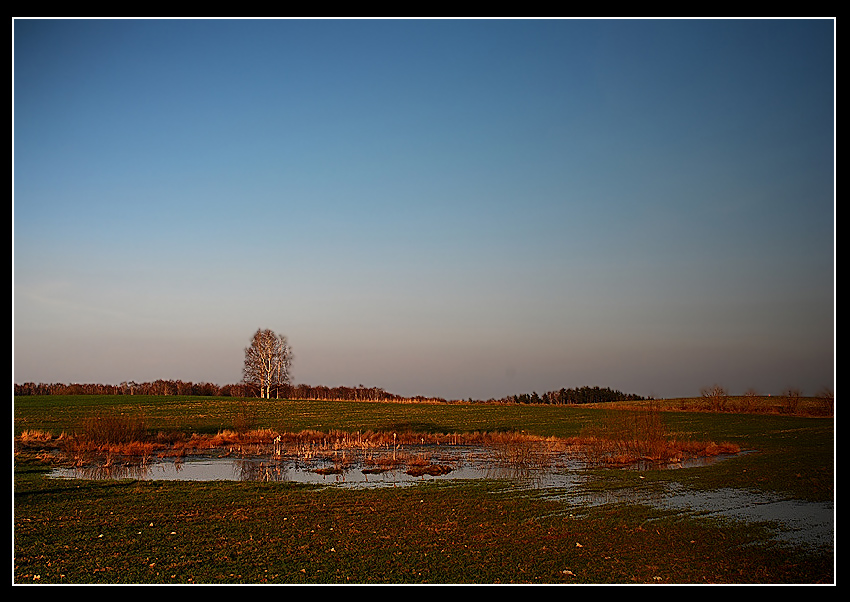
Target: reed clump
(109,429)
(35,437)
(522,451)
(628,437)
(38,439)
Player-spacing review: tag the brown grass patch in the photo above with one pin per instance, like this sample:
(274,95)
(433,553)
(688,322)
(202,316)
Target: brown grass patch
(629,436)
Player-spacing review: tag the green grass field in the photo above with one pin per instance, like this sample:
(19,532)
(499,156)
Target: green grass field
(454,532)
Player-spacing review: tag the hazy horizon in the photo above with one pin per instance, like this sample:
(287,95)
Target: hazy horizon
(451,207)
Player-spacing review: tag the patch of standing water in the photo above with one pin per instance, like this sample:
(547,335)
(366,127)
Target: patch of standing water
(419,465)
(797,522)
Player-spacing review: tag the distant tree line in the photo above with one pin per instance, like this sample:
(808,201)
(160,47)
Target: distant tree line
(157,387)
(574,396)
(309,392)
(188,388)
(358,393)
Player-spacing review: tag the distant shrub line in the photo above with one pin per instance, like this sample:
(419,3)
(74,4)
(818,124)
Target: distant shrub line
(582,395)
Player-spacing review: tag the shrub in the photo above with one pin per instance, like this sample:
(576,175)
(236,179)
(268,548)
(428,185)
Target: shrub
(791,397)
(105,429)
(716,396)
(626,437)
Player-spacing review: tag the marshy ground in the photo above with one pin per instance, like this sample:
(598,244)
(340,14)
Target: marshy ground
(265,453)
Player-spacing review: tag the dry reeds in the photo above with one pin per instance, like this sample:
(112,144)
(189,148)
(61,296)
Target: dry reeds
(35,436)
(107,429)
(623,437)
(628,437)
(39,439)
(521,451)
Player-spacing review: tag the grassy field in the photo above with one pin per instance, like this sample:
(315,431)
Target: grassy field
(453,532)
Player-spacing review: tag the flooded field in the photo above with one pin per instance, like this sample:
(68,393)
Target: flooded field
(346,469)
(532,464)
(795,522)
(556,473)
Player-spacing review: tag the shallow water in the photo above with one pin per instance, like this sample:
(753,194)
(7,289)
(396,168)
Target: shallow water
(797,522)
(341,470)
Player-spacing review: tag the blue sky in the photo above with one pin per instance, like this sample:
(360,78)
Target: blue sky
(458,208)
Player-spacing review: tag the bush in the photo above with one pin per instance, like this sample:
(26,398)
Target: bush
(716,396)
(791,397)
(627,436)
(105,429)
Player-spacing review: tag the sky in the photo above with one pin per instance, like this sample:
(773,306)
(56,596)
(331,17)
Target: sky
(461,208)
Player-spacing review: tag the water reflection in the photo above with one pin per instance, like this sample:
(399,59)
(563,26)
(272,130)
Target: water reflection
(796,521)
(791,521)
(556,474)
(375,470)
(539,466)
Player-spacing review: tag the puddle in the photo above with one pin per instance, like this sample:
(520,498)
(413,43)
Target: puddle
(548,467)
(794,522)
(798,522)
(417,465)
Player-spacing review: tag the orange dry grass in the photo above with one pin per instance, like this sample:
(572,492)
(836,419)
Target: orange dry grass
(133,448)
(36,436)
(623,437)
(626,437)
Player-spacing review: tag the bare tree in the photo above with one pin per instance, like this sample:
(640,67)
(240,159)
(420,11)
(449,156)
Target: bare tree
(792,399)
(827,399)
(267,363)
(717,397)
(750,398)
